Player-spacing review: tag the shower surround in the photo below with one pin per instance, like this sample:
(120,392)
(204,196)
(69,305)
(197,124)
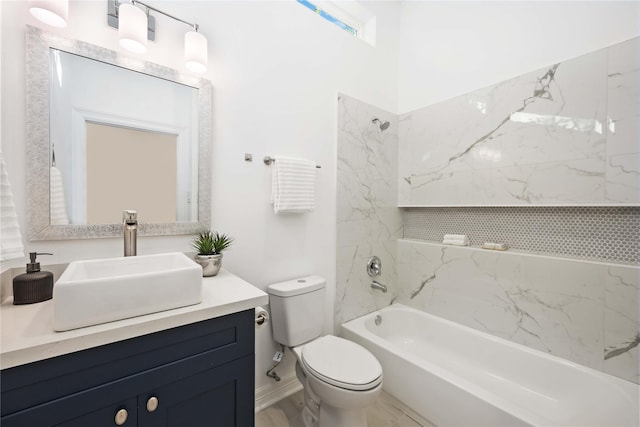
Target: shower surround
(563,139)
(369,223)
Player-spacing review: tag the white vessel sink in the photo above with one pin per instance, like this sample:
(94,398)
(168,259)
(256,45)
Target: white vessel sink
(103,290)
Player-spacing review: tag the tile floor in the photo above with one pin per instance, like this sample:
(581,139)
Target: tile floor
(385,412)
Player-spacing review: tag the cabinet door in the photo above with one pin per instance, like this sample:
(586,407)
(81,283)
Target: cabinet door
(222,396)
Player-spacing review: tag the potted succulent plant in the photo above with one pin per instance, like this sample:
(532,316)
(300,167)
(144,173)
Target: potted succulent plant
(209,246)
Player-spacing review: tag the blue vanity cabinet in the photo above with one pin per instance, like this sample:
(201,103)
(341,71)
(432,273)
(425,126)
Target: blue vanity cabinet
(200,374)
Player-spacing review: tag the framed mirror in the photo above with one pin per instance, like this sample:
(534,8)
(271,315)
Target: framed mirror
(107,133)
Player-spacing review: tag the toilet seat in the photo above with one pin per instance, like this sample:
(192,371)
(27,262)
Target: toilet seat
(341,363)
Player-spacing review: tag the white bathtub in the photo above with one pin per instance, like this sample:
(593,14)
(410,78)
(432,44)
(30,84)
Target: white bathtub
(453,375)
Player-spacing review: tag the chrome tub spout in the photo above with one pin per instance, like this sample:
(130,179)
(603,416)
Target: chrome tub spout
(379,286)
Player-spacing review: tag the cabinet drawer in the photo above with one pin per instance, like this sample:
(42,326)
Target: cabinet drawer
(225,338)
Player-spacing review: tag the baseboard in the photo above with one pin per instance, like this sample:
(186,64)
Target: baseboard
(269,394)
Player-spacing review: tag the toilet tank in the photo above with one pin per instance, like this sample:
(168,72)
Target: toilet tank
(297,310)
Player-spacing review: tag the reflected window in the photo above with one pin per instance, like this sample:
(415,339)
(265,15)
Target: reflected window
(570,123)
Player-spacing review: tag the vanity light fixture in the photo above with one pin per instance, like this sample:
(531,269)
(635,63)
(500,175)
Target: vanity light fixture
(132,32)
(132,28)
(195,51)
(51,12)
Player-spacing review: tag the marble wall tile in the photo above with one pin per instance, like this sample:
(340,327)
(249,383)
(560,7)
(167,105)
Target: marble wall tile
(622,322)
(354,295)
(404,160)
(545,137)
(368,221)
(623,109)
(582,311)
(579,181)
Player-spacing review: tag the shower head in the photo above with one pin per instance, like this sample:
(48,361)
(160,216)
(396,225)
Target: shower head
(383,125)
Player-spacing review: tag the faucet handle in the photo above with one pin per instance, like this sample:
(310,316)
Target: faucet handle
(374,266)
(129,216)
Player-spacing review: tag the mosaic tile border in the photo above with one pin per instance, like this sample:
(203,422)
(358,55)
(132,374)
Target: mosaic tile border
(609,234)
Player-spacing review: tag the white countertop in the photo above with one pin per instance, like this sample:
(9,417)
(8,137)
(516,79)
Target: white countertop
(27,333)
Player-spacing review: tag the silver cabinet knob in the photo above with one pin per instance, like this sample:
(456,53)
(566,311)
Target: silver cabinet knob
(121,417)
(152,404)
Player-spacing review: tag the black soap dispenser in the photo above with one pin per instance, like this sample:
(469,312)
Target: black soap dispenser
(34,285)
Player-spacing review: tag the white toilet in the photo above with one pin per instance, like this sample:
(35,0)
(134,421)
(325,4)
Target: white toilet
(340,378)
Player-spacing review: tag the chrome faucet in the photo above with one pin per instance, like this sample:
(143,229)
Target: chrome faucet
(130,227)
(379,286)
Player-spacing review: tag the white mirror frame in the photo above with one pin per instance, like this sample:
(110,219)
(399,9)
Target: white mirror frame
(38,153)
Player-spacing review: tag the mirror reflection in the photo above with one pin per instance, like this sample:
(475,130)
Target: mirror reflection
(120,140)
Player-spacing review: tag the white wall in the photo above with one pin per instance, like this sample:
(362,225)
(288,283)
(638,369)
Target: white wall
(448,48)
(276,69)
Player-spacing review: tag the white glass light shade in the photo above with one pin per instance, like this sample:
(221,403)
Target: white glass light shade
(195,52)
(51,12)
(132,28)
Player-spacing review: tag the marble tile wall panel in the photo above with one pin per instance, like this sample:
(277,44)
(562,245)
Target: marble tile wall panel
(540,138)
(354,296)
(368,221)
(623,109)
(622,322)
(582,311)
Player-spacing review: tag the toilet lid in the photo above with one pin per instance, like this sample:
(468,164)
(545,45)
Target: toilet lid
(342,363)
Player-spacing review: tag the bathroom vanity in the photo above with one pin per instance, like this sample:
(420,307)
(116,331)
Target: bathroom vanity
(192,366)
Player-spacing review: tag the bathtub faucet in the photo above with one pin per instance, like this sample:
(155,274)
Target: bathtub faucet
(379,286)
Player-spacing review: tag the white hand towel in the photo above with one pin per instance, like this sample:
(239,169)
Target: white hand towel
(57,208)
(293,185)
(11,242)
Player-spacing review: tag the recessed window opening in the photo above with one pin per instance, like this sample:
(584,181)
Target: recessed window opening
(350,16)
